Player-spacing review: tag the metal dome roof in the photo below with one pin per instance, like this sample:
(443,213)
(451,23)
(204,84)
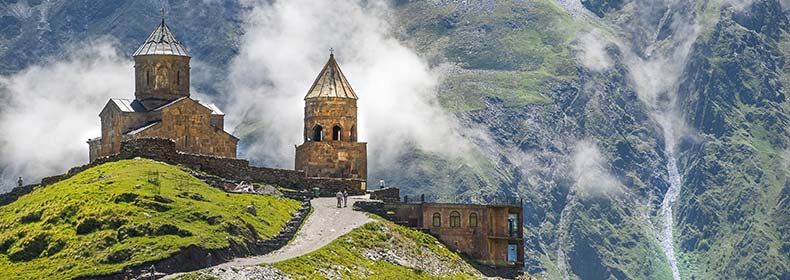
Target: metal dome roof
(162,42)
(331,83)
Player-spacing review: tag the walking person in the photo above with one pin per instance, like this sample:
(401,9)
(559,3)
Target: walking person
(345,198)
(339,196)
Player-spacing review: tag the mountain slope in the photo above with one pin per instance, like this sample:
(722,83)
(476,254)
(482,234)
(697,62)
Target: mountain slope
(377,250)
(735,207)
(579,143)
(124,213)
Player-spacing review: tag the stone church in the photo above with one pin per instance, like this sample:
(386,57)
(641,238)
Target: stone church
(330,147)
(162,107)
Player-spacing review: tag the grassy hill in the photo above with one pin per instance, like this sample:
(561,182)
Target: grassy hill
(124,213)
(376,250)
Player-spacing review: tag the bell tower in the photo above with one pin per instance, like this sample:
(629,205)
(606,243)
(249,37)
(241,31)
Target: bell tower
(161,68)
(330,147)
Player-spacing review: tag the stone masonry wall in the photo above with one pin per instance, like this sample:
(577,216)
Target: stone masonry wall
(164,150)
(332,159)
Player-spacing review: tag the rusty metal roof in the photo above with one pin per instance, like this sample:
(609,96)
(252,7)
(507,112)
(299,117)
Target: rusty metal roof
(162,42)
(331,83)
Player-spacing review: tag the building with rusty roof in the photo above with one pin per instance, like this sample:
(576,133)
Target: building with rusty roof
(162,107)
(330,147)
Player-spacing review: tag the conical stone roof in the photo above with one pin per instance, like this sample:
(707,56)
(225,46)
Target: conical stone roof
(162,42)
(331,83)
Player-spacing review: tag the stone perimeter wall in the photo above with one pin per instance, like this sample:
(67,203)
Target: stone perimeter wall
(164,150)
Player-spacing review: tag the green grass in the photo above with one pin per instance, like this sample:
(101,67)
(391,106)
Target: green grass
(515,51)
(467,91)
(517,66)
(345,255)
(124,213)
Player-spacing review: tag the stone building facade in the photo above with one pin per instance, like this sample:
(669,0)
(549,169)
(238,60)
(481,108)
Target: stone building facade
(162,107)
(491,234)
(330,147)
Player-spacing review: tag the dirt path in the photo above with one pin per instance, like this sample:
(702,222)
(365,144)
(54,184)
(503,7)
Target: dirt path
(325,224)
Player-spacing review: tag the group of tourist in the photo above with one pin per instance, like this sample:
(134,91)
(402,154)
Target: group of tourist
(342,198)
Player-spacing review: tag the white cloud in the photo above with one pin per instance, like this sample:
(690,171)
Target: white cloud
(591,50)
(286,44)
(50,110)
(590,169)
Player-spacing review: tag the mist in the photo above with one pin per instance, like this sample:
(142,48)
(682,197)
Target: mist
(286,44)
(591,51)
(590,169)
(50,110)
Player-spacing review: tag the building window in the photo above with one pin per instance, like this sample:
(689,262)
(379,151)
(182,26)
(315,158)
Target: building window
(512,253)
(148,77)
(473,220)
(455,219)
(178,78)
(437,219)
(512,222)
(336,133)
(353,133)
(318,132)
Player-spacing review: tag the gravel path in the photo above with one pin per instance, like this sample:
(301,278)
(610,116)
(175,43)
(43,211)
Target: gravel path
(325,224)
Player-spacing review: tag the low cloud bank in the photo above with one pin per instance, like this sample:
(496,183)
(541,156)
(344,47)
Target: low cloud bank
(285,45)
(50,110)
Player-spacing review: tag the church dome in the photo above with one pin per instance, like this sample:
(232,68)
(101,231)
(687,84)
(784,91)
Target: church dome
(331,83)
(162,42)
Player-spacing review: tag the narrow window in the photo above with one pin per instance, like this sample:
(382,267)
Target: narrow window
(148,77)
(317,133)
(437,219)
(178,78)
(455,219)
(353,133)
(512,225)
(473,220)
(512,252)
(336,133)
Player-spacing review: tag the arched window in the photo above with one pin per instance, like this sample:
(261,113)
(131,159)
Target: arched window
(353,133)
(455,219)
(148,77)
(336,133)
(473,219)
(178,78)
(437,219)
(318,133)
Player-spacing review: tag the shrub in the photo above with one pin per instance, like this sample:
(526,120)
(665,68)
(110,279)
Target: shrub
(55,247)
(5,244)
(29,248)
(34,216)
(114,222)
(159,207)
(118,256)
(162,199)
(125,197)
(137,230)
(88,225)
(168,229)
